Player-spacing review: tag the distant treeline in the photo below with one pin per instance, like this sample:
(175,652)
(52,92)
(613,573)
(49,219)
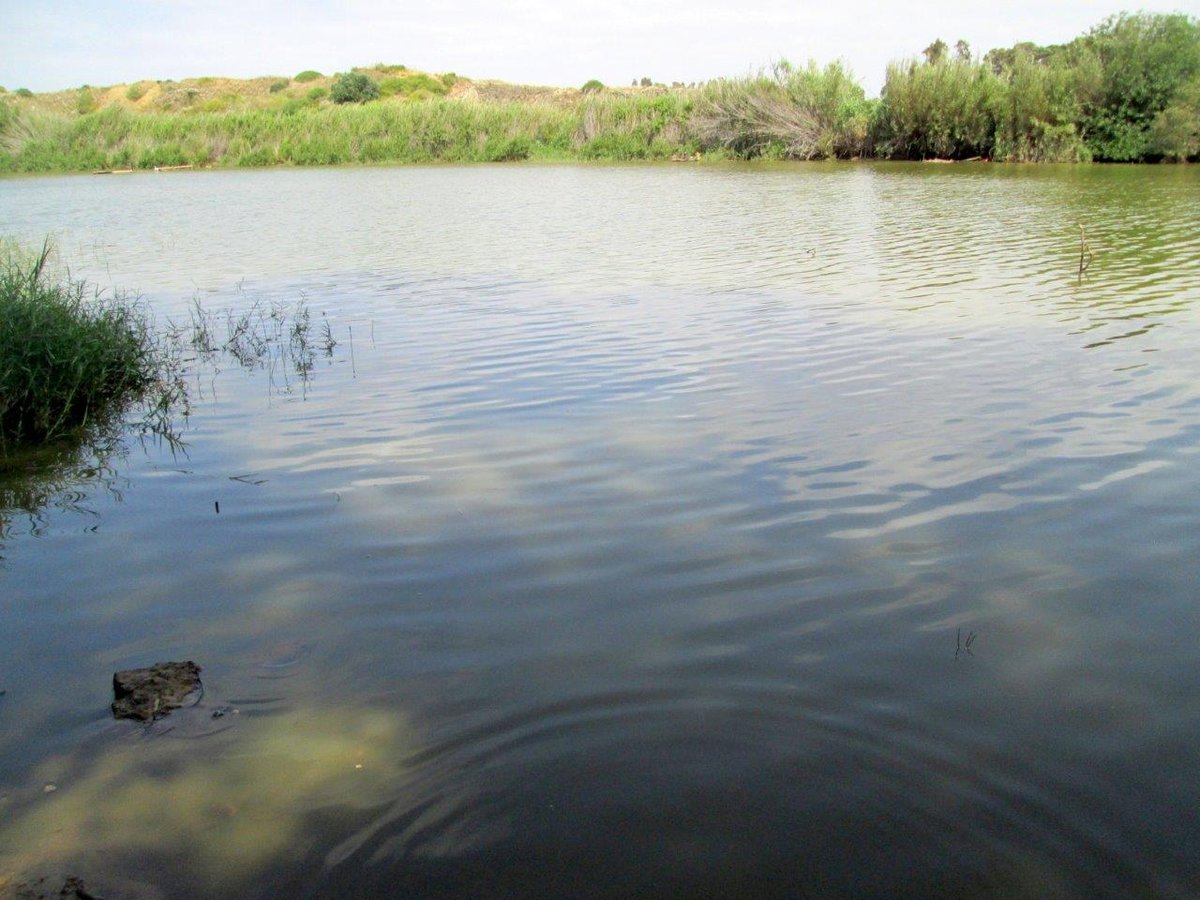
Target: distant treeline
(1128,90)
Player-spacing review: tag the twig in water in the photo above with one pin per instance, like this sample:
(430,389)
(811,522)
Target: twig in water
(1085,252)
(353,371)
(964,647)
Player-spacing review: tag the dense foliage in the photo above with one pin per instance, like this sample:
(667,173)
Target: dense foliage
(1126,91)
(353,87)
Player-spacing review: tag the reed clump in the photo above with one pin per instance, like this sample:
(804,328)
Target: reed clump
(69,357)
(786,113)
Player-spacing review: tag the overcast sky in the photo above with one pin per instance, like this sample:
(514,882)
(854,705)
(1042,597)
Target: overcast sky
(52,44)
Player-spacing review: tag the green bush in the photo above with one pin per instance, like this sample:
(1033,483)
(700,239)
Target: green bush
(308,75)
(277,86)
(135,92)
(593,85)
(449,79)
(24,92)
(353,87)
(317,93)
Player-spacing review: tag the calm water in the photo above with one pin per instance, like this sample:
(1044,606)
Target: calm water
(655,531)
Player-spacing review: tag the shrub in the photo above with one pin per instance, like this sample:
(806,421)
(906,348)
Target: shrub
(353,87)
(449,80)
(308,75)
(24,92)
(135,92)
(591,86)
(277,86)
(86,102)
(66,359)
(317,93)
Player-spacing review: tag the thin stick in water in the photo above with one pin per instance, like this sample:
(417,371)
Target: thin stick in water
(1085,252)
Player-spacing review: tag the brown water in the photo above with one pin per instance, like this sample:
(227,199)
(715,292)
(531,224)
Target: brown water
(655,530)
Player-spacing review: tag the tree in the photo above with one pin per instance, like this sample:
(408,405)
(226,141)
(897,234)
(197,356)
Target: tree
(936,52)
(1146,61)
(353,87)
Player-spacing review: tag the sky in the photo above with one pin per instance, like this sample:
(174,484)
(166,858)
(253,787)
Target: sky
(57,44)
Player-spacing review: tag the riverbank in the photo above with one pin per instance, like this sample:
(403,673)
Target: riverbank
(1128,90)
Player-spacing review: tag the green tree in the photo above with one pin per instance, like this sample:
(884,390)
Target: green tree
(935,53)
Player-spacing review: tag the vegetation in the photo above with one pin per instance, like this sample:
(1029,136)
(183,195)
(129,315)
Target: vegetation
(353,87)
(68,359)
(417,85)
(1129,89)
(1122,92)
(790,113)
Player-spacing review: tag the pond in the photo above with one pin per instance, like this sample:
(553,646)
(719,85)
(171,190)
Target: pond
(661,530)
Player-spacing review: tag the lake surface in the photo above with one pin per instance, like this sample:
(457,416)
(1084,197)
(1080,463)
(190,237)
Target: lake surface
(650,531)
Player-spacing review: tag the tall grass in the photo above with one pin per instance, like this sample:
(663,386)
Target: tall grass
(788,112)
(944,109)
(69,358)
(293,133)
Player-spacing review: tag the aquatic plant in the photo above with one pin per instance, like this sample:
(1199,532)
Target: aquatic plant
(69,356)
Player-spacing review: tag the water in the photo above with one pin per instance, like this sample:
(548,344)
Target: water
(658,530)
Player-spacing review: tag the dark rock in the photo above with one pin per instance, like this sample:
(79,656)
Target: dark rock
(151,693)
(75,889)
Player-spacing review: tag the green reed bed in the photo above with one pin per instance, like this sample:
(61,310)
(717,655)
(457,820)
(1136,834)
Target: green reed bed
(69,357)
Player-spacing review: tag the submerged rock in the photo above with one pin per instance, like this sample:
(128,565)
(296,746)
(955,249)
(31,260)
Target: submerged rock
(151,693)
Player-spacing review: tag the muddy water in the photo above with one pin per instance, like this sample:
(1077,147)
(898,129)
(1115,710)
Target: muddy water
(653,530)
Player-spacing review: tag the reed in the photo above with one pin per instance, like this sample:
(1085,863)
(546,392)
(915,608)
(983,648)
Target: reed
(70,357)
(787,113)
